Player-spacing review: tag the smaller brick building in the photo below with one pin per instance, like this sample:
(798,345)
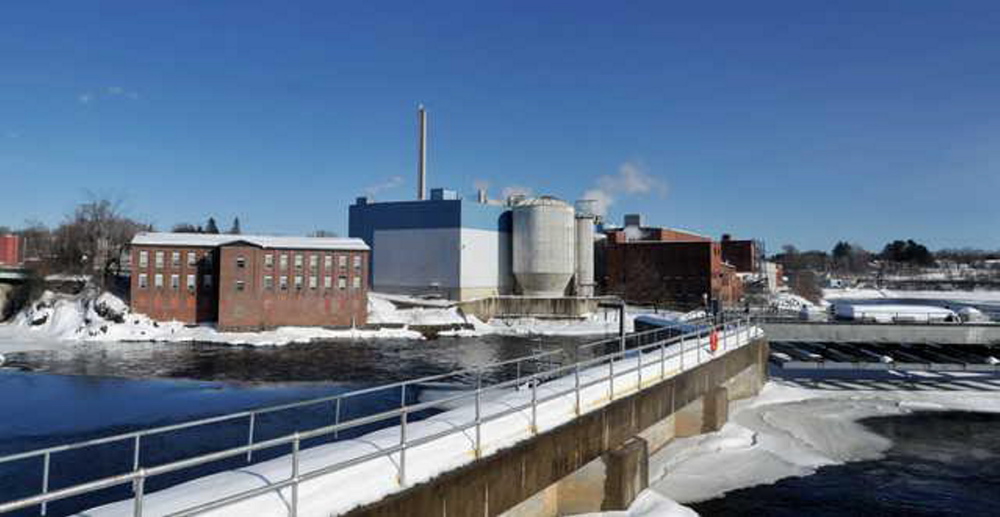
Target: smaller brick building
(11,253)
(742,254)
(668,266)
(246,282)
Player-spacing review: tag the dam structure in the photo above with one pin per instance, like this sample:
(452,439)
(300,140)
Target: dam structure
(553,433)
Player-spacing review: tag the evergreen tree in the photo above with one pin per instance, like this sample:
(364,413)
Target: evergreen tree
(210,226)
(235,230)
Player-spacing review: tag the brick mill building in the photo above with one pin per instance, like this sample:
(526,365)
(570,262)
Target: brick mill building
(11,253)
(664,265)
(249,282)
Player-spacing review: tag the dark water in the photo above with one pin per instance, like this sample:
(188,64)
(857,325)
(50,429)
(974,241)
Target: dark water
(941,463)
(80,393)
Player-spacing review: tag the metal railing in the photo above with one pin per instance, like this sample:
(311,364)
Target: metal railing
(665,341)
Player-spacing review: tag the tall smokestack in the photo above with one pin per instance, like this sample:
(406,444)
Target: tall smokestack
(422,157)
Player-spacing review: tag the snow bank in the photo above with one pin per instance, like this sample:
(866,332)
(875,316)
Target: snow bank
(791,431)
(792,302)
(58,318)
(978,296)
(649,504)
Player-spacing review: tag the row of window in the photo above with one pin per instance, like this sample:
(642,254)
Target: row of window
(175,259)
(175,281)
(299,283)
(300,260)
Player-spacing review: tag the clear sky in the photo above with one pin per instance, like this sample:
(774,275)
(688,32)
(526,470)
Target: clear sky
(796,122)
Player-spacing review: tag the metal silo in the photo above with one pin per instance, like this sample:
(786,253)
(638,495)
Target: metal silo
(584,274)
(543,246)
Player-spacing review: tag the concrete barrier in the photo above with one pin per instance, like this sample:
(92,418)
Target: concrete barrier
(522,306)
(841,332)
(593,462)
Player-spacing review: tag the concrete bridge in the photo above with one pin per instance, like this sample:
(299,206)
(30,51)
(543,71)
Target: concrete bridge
(568,438)
(868,332)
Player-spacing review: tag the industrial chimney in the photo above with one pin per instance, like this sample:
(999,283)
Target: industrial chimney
(422,155)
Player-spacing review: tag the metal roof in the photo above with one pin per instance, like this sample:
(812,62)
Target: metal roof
(264,241)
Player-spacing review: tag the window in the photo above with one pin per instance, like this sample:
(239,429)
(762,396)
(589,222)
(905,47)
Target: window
(269,261)
(191,283)
(356,282)
(159,260)
(341,282)
(298,262)
(143,281)
(327,282)
(175,282)
(313,262)
(240,285)
(175,259)
(342,261)
(283,261)
(158,281)
(284,282)
(328,262)
(268,282)
(298,282)
(313,282)
(143,258)
(241,262)
(206,281)
(357,262)
(192,258)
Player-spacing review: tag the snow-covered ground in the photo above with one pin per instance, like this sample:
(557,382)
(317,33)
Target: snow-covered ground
(371,480)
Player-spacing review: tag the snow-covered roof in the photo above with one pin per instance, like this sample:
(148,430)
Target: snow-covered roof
(264,241)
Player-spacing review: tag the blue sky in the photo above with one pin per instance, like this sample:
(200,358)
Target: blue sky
(796,122)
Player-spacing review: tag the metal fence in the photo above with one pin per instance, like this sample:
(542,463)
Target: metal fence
(652,346)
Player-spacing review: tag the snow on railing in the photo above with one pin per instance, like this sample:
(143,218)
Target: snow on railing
(566,391)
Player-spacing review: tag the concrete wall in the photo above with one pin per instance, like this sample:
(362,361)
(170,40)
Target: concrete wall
(591,463)
(884,333)
(517,306)
(485,265)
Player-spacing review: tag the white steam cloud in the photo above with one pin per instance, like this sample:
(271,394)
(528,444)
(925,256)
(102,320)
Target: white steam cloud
(632,179)
(517,190)
(389,184)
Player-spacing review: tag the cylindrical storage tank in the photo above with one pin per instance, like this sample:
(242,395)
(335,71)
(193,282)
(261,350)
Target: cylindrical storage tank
(584,258)
(543,247)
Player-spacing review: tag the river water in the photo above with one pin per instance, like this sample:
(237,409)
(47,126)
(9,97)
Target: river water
(76,393)
(940,464)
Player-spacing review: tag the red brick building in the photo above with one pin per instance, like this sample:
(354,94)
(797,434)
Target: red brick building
(250,282)
(742,254)
(667,266)
(10,250)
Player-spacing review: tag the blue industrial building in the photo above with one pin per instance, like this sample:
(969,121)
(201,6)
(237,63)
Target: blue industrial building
(459,249)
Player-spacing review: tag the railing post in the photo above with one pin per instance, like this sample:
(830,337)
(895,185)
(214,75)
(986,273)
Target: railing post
(611,383)
(534,405)
(135,453)
(402,437)
(639,360)
(683,341)
(293,508)
(479,395)
(576,382)
(253,420)
(663,360)
(45,481)
(517,379)
(336,418)
(139,488)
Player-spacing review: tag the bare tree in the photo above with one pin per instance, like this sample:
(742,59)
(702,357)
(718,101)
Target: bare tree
(94,238)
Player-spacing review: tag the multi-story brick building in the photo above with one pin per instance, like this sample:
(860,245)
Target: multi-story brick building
(742,254)
(248,281)
(662,265)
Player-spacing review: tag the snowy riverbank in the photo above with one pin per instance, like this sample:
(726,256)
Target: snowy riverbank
(58,320)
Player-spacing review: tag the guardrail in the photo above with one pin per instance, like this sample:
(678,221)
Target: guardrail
(626,347)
